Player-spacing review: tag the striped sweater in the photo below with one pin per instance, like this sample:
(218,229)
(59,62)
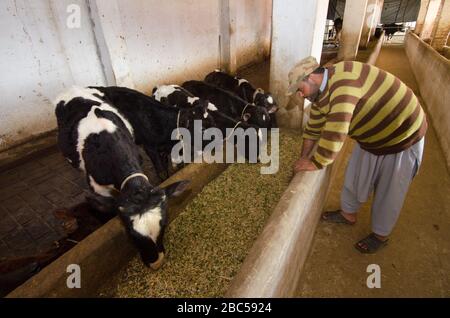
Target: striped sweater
(371,106)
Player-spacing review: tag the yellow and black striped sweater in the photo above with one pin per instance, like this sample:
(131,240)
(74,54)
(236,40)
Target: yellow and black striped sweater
(371,106)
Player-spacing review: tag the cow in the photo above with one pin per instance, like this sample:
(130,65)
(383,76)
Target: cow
(153,122)
(177,96)
(337,25)
(98,139)
(392,28)
(243,89)
(230,104)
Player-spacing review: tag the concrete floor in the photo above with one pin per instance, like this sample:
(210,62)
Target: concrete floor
(416,262)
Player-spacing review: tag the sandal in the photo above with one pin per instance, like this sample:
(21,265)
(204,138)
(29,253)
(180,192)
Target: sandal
(336,217)
(370,244)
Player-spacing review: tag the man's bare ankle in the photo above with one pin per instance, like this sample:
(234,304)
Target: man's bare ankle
(349,216)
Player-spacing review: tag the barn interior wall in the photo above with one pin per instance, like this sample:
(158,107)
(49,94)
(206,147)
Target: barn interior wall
(40,56)
(428,65)
(430,17)
(156,42)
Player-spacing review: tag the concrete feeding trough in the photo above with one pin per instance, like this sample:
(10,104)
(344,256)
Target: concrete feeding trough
(267,225)
(104,251)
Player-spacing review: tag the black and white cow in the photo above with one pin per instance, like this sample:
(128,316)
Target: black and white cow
(392,28)
(230,104)
(175,95)
(96,137)
(153,122)
(243,89)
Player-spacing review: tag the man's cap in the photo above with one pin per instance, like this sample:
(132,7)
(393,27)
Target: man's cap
(300,71)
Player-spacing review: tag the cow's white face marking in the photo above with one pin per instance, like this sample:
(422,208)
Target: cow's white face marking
(75,91)
(148,223)
(264,117)
(269,99)
(205,114)
(164,91)
(103,190)
(241,80)
(191,100)
(212,107)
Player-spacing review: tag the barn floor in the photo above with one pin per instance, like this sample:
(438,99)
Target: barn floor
(416,261)
(42,214)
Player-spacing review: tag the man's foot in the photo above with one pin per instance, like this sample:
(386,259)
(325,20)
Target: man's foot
(339,216)
(371,243)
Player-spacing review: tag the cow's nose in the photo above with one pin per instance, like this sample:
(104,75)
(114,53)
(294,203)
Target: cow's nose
(157,264)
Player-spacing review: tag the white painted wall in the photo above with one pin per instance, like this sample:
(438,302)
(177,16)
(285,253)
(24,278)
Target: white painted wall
(137,43)
(253,27)
(432,73)
(430,17)
(353,21)
(297,32)
(39,57)
(170,41)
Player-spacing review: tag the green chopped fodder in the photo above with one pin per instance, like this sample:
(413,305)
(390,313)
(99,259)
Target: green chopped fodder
(208,242)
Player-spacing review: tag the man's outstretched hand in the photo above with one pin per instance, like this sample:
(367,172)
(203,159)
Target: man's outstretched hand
(304,164)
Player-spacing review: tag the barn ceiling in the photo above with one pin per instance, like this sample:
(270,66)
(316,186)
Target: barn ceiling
(393,10)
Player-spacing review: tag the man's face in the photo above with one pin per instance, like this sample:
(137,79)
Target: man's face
(308,89)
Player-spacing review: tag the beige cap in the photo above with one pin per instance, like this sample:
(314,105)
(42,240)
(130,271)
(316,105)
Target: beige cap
(300,71)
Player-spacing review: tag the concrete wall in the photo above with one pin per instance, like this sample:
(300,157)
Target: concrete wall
(428,66)
(253,31)
(135,43)
(298,31)
(353,21)
(430,18)
(441,30)
(421,16)
(369,22)
(40,55)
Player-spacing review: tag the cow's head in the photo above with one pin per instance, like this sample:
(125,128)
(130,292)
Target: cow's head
(265,100)
(256,115)
(143,210)
(201,110)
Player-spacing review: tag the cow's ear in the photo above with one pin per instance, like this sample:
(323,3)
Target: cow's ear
(205,105)
(246,117)
(176,188)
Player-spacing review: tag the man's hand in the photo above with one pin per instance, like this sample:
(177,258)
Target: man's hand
(304,164)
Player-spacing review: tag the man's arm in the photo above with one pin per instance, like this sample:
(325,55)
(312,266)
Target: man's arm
(310,136)
(307,147)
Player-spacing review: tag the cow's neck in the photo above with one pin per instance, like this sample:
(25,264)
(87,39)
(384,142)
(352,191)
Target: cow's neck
(248,91)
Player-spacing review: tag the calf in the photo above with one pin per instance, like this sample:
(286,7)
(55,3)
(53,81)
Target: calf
(153,122)
(230,104)
(392,28)
(337,25)
(96,137)
(175,95)
(243,89)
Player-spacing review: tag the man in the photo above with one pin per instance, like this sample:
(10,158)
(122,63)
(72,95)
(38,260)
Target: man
(385,118)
